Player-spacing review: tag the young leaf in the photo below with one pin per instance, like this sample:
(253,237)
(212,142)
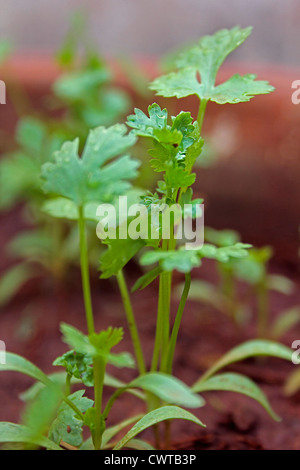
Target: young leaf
(77,365)
(40,413)
(160,414)
(95,345)
(182,260)
(285,322)
(292,384)
(10,432)
(67,426)
(12,281)
(63,208)
(20,364)
(91,178)
(146,279)
(111,432)
(58,378)
(144,125)
(139,444)
(240,89)
(280,284)
(236,383)
(117,255)
(168,388)
(209,54)
(251,348)
(221,237)
(206,59)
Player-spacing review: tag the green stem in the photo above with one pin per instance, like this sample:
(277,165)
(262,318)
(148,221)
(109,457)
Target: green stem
(68,385)
(84,264)
(175,331)
(131,323)
(201,114)
(99,373)
(166,300)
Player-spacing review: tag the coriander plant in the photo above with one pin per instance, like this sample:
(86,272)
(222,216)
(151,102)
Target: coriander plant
(77,183)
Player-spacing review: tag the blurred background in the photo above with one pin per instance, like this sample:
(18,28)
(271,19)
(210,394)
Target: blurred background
(153,27)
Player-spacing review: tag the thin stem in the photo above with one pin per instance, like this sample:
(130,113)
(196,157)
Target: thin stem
(158,335)
(99,373)
(175,331)
(131,323)
(111,401)
(201,114)
(84,264)
(68,385)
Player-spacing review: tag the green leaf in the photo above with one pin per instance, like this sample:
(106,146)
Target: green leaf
(122,360)
(221,237)
(292,384)
(182,260)
(40,413)
(209,54)
(95,345)
(206,58)
(12,281)
(10,432)
(161,414)
(111,432)
(240,89)
(280,284)
(58,378)
(77,365)
(239,384)
(144,125)
(63,208)
(91,178)
(169,389)
(244,351)
(146,279)
(76,85)
(285,322)
(117,255)
(30,134)
(19,176)
(20,364)
(224,254)
(67,426)
(204,292)
(139,444)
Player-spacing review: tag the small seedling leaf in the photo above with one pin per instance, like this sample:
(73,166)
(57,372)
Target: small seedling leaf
(169,389)
(161,414)
(236,383)
(244,351)
(10,432)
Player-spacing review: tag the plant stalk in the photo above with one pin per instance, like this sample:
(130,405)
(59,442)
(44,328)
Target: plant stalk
(131,323)
(84,264)
(99,373)
(175,331)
